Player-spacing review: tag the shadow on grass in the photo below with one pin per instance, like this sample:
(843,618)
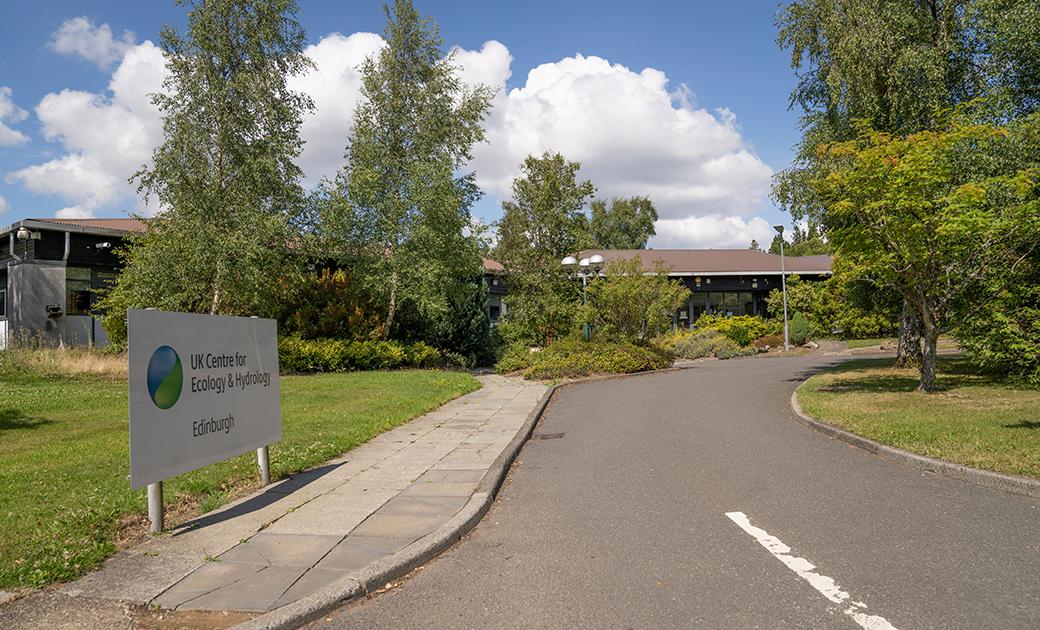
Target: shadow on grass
(274,492)
(1025,424)
(16,419)
(953,373)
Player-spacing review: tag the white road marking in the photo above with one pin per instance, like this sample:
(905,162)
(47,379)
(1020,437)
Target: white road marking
(825,585)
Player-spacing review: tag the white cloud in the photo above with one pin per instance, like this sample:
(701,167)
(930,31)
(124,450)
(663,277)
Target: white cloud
(10,113)
(712,231)
(335,87)
(632,136)
(107,137)
(3,205)
(96,44)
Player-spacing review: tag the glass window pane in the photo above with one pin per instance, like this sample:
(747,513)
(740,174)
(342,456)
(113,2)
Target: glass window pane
(715,302)
(731,304)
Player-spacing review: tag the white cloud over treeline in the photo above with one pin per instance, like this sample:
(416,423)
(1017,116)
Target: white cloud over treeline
(633,133)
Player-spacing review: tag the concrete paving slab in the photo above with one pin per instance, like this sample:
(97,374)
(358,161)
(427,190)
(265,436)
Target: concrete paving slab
(441,489)
(398,525)
(257,592)
(356,552)
(286,550)
(134,577)
(207,578)
(423,506)
(310,582)
(451,475)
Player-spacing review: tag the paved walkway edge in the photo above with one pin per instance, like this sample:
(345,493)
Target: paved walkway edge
(988,479)
(377,575)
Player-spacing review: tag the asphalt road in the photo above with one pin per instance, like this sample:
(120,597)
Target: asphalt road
(622,523)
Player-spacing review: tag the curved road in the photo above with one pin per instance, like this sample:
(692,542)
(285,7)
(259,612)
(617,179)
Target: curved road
(622,522)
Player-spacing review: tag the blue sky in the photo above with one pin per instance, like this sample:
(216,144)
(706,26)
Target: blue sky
(700,131)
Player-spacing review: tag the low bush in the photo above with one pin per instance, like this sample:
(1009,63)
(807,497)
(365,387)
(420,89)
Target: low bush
(770,341)
(339,355)
(742,329)
(571,358)
(710,343)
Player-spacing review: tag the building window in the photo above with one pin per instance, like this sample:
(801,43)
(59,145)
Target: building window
(77,291)
(3,302)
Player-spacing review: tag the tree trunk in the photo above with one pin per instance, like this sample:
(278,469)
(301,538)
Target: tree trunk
(931,340)
(215,305)
(908,348)
(391,309)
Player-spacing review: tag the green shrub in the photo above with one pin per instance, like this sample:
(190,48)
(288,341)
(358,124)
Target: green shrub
(330,305)
(798,329)
(571,358)
(340,355)
(710,343)
(742,329)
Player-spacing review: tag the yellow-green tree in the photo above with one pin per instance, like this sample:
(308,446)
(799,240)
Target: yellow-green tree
(942,216)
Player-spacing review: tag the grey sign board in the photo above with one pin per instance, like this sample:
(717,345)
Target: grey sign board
(203,388)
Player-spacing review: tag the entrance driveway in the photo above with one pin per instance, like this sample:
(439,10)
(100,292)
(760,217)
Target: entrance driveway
(693,499)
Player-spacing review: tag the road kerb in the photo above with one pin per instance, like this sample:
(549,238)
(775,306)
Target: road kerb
(985,478)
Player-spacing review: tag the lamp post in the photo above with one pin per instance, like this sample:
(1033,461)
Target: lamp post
(783,283)
(585,266)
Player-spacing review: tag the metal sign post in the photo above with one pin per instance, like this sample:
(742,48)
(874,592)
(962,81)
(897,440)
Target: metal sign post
(156,513)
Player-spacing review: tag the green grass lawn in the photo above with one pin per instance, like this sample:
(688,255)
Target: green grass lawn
(976,420)
(64,457)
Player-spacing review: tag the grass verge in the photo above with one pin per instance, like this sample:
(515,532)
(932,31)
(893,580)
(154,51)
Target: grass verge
(976,420)
(64,456)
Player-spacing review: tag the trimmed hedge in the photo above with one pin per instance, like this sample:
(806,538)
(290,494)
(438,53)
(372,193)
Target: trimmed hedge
(572,358)
(340,355)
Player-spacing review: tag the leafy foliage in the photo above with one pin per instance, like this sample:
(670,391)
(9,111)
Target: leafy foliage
(572,358)
(741,329)
(937,215)
(331,305)
(543,223)
(631,303)
(1001,332)
(627,224)
(339,355)
(399,212)
(798,329)
(699,344)
(225,176)
(808,241)
(846,306)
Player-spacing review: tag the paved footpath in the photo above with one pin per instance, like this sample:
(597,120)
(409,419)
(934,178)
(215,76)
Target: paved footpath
(312,529)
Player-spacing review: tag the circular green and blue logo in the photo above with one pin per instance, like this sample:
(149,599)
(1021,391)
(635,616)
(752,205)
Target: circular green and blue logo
(165,377)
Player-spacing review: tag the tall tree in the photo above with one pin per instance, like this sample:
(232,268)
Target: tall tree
(224,177)
(544,222)
(400,210)
(896,64)
(941,216)
(626,224)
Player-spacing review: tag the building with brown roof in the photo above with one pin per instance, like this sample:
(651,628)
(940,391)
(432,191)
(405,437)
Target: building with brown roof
(724,281)
(50,270)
